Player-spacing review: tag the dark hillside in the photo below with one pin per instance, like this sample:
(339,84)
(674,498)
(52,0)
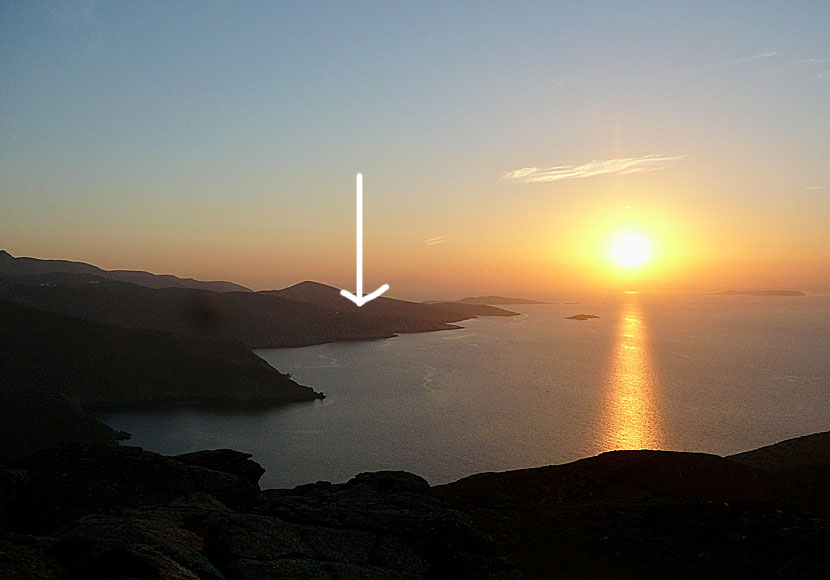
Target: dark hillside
(99,365)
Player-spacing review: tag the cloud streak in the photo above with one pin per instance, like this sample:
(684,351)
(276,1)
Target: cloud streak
(624,166)
(744,60)
(436,240)
(751,58)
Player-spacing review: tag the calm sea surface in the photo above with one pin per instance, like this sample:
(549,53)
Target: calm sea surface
(719,374)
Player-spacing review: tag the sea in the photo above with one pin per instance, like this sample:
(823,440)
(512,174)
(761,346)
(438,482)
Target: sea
(704,373)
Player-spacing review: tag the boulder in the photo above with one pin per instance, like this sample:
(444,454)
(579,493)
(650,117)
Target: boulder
(107,512)
(226,461)
(72,480)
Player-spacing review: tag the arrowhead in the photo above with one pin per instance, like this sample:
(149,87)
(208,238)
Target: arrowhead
(361,300)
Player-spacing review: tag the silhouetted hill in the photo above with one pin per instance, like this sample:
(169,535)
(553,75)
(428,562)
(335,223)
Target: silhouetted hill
(659,514)
(760,293)
(794,453)
(27,266)
(104,513)
(497,300)
(315,293)
(257,319)
(439,312)
(101,365)
(35,418)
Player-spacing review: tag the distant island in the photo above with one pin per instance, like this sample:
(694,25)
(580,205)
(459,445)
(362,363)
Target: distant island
(759,293)
(497,300)
(582,317)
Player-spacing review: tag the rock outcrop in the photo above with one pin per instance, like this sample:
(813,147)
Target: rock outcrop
(105,512)
(98,512)
(659,514)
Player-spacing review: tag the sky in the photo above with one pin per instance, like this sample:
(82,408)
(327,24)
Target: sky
(504,146)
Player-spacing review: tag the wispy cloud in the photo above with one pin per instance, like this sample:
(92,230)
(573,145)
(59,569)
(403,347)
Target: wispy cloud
(804,69)
(435,241)
(744,59)
(810,70)
(815,187)
(624,166)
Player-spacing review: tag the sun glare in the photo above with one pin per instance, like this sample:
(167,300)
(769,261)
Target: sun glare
(630,251)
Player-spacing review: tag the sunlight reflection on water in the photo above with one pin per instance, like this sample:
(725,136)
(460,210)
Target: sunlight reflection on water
(631,415)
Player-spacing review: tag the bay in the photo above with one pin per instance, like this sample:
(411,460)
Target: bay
(719,374)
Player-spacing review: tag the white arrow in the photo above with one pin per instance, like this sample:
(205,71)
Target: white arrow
(358,298)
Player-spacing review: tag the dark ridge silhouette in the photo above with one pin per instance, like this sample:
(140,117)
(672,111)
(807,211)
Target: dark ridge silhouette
(99,366)
(660,514)
(96,512)
(37,418)
(257,319)
(439,312)
(797,453)
(759,293)
(310,292)
(27,266)
(497,300)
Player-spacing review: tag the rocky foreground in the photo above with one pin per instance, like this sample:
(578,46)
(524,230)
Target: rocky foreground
(98,511)
(660,514)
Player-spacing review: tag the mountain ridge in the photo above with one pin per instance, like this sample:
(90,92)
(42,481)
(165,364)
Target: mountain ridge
(324,295)
(265,319)
(26,266)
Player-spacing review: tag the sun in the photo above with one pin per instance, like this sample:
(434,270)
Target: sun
(630,251)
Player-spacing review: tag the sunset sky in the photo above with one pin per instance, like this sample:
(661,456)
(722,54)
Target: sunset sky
(504,146)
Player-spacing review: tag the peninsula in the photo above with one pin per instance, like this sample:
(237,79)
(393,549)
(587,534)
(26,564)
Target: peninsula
(56,368)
